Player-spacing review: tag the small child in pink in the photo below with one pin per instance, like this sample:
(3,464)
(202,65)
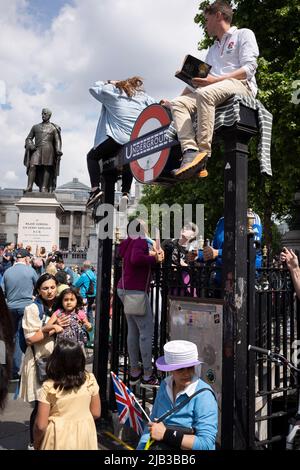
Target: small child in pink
(70,304)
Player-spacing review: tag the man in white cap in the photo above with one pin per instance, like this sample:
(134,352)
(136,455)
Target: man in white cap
(191,421)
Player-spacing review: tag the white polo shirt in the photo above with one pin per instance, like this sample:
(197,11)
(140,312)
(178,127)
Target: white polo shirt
(237,48)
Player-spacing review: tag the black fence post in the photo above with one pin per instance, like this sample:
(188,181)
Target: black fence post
(234,379)
(115,326)
(251,313)
(101,342)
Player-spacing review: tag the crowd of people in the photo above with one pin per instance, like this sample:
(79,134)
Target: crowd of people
(53,310)
(45,304)
(21,274)
(39,259)
(55,328)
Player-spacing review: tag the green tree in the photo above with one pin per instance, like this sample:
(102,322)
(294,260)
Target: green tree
(277,28)
(276,24)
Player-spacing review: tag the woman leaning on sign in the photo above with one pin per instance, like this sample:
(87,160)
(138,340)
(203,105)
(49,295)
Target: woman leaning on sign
(122,102)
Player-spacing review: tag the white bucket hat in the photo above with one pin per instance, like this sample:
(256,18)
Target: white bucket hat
(178,354)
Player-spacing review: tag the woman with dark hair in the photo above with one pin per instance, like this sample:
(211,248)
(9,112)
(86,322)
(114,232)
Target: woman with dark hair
(68,402)
(122,102)
(6,349)
(40,344)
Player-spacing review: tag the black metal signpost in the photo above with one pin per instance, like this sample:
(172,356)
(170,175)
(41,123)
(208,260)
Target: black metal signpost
(101,340)
(235,341)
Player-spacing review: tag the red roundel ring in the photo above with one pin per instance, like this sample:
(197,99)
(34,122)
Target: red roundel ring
(148,169)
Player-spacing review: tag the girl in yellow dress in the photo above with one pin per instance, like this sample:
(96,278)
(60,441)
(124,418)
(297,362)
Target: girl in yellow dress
(68,402)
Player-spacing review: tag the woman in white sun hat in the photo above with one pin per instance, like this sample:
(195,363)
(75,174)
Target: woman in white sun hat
(192,422)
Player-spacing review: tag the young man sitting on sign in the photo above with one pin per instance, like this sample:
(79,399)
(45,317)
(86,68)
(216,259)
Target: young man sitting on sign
(233,58)
(122,102)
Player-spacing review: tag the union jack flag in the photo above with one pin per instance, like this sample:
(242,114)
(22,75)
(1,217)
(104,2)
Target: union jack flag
(127,408)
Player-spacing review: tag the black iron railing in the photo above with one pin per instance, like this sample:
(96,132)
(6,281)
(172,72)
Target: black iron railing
(272,323)
(277,329)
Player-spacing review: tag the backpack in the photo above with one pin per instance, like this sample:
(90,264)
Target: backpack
(91,289)
(22,340)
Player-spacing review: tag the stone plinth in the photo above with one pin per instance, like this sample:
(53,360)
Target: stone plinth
(39,220)
(92,254)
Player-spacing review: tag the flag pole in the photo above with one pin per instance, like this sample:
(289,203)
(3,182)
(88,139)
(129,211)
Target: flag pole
(157,239)
(140,407)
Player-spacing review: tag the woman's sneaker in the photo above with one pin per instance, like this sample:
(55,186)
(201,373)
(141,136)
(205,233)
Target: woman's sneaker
(134,380)
(151,382)
(94,196)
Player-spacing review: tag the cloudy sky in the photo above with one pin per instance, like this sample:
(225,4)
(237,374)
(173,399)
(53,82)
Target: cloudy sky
(51,51)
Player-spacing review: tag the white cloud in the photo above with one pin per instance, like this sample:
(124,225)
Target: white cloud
(86,42)
(10,176)
(2,92)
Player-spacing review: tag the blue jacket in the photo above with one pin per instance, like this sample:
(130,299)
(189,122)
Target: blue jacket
(119,112)
(201,414)
(218,242)
(84,281)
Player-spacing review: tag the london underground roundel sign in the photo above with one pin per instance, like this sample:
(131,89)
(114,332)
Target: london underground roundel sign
(148,168)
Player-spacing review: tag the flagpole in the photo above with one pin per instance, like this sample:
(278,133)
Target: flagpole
(140,407)
(157,239)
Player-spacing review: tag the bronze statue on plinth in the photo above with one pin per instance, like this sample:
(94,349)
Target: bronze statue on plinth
(42,156)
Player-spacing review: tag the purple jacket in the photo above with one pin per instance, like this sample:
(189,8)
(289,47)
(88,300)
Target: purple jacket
(136,263)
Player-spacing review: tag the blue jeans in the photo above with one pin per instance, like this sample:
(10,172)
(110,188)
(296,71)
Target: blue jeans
(89,310)
(17,317)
